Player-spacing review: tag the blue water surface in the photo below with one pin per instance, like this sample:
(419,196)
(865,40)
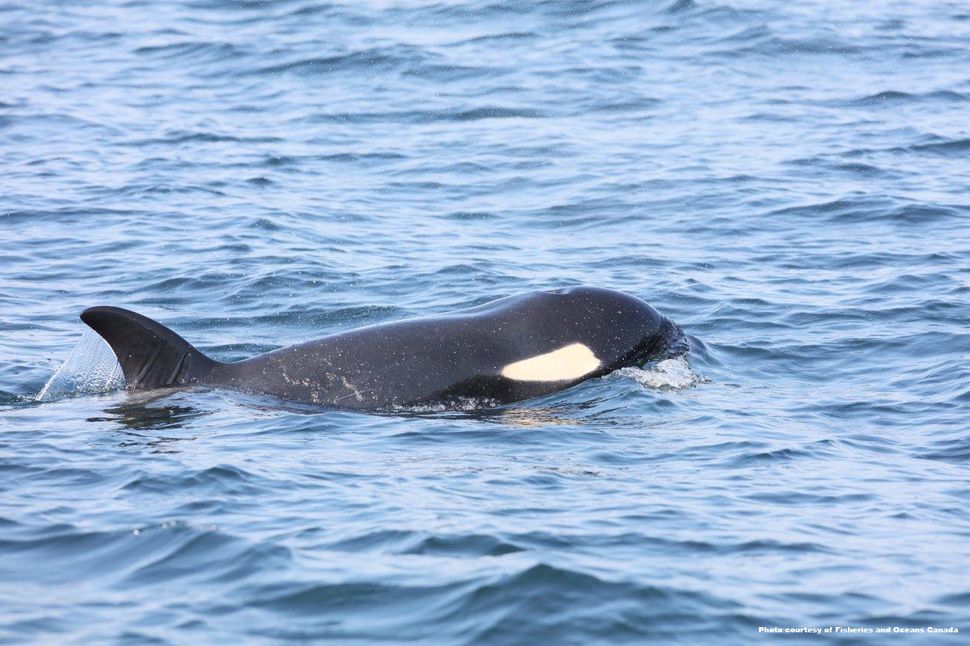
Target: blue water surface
(787,181)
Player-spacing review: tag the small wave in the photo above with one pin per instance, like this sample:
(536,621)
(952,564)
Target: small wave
(955,450)
(777,46)
(494,112)
(208,555)
(767,457)
(895,97)
(192,50)
(961,599)
(431,116)
(422,543)
(470,216)
(220,480)
(184,137)
(625,610)
(505,36)
(680,6)
(856,168)
(464,545)
(371,60)
(946,147)
(875,210)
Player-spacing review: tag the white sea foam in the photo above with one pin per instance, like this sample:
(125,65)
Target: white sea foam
(669,374)
(90,368)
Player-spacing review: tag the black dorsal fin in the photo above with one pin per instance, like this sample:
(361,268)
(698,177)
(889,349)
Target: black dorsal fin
(150,354)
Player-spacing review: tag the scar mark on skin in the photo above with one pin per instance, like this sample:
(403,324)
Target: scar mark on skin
(355,392)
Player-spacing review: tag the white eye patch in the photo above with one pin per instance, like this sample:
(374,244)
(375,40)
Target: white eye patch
(569,362)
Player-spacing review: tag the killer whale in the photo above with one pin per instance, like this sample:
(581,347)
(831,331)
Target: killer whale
(508,350)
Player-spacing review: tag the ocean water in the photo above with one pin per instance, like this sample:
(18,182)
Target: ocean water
(787,181)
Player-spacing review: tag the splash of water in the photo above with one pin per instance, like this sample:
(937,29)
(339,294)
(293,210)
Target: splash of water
(90,368)
(669,374)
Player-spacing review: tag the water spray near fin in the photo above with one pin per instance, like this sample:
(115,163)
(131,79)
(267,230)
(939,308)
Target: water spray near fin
(90,368)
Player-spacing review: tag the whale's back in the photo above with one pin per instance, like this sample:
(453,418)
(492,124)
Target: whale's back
(508,350)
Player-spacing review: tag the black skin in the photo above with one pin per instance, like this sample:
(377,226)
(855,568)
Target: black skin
(453,359)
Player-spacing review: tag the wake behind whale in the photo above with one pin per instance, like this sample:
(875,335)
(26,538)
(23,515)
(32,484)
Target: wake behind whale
(505,351)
